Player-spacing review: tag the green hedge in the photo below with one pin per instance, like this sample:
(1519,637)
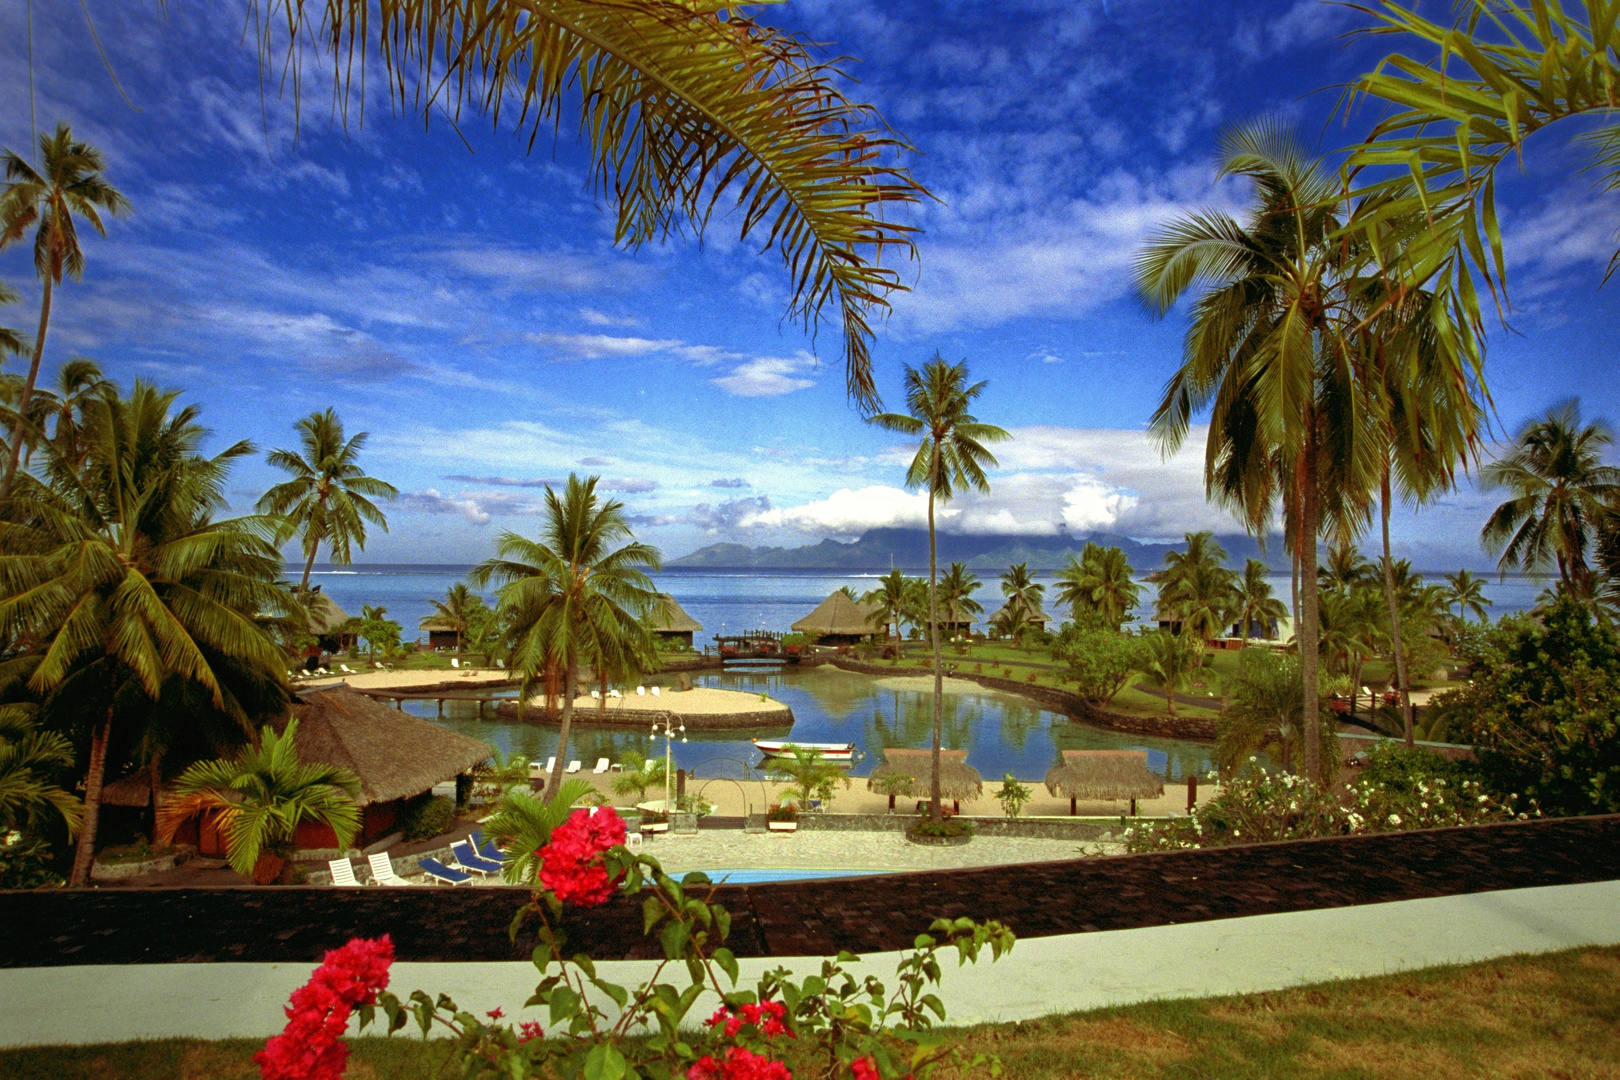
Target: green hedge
(427,815)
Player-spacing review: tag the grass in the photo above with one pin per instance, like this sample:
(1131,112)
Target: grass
(1555,1015)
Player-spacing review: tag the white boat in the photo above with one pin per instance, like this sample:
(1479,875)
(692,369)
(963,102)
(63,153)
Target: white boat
(783,748)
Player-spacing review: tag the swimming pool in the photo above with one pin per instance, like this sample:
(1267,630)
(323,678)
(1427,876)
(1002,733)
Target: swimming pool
(759,876)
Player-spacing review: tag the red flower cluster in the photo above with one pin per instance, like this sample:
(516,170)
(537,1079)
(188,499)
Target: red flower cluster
(738,1064)
(571,864)
(530,1031)
(766,1016)
(311,1046)
(864,1069)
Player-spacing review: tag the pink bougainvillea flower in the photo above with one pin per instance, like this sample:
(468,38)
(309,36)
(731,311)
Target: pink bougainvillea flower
(738,1064)
(311,1046)
(767,1016)
(528,1030)
(864,1069)
(571,864)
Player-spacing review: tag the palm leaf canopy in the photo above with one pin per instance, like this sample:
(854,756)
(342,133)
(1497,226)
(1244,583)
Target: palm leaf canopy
(688,105)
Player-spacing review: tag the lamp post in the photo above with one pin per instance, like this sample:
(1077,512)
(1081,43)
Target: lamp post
(667,724)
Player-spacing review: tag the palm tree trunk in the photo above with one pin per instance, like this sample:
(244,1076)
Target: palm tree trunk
(1396,641)
(154,780)
(934,810)
(86,852)
(28,392)
(554,783)
(309,564)
(1294,564)
(1309,628)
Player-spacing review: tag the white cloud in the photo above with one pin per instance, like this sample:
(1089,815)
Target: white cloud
(768,376)
(432,502)
(598,346)
(847,512)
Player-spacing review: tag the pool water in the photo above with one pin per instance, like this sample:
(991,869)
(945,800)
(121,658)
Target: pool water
(1002,733)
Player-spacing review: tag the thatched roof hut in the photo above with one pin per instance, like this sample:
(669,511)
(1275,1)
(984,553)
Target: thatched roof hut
(324,614)
(671,622)
(839,617)
(1103,775)
(958,781)
(395,755)
(441,632)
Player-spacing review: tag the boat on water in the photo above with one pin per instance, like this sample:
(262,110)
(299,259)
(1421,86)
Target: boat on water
(783,748)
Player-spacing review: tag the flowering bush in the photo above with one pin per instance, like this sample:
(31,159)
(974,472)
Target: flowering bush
(311,1046)
(1396,792)
(829,1025)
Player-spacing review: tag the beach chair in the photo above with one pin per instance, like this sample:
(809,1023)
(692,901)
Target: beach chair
(485,846)
(596,695)
(551,763)
(573,766)
(501,664)
(535,772)
(454,662)
(342,872)
(614,693)
(641,691)
(436,870)
(632,839)
(601,766)
(382,870)
(468,859)
(655,691)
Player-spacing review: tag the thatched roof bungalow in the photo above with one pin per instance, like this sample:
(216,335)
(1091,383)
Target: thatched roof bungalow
(1104,775)
(396,756)
(442,633)
(840,620)
(958,781)
(326,621)
(671,622)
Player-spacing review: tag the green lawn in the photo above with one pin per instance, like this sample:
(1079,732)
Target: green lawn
(1556,1015)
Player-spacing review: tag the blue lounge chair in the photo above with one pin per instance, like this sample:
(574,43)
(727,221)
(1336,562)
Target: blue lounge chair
(486,847)
(436,870)
(468,859)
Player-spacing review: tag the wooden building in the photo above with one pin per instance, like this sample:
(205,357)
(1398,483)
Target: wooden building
(670,622)
(328,622)
(1032,615)
(838,620)
(442,634)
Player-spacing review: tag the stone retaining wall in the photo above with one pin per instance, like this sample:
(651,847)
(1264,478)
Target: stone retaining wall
(1063,701)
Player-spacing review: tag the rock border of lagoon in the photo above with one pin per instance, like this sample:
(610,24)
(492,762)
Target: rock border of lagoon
(775,714)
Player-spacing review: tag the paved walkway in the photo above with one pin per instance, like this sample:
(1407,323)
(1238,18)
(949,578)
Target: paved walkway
(819,850)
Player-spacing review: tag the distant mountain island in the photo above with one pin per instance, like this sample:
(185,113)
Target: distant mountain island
(907,549)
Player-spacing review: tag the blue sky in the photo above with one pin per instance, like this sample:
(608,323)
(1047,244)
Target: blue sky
(468,308)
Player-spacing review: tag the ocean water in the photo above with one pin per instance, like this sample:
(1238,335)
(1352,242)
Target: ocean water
(729,601)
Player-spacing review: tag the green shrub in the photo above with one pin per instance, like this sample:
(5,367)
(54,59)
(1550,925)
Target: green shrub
(1013,795)
(948,827)
(25,862)
(427,815)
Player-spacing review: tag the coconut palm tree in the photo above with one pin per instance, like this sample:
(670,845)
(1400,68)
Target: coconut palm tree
(329,498)
(134,594)
(1270,347)
(1561,494)
(1264,713)
(571,597)
(30,761)
(1168,663)
(1345,568)
(456,609)
(951,458)
(1021,590)
(1110,582)
(1253,601)
(892,600)
(956,591)
(12,342)
(71,185)
(1464,594)
(684,108)
(260,798)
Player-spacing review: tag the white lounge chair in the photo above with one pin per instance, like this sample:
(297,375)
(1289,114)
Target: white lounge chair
(614,694)
(551,763)
(454,662)
(641,691)
(382,870)
(655,691)
(573,766)
(342,872)
(596,695)
(601,766)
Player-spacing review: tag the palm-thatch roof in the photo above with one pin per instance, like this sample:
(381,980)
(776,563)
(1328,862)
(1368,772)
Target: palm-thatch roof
(1032,613)
(839,615)
(324,614)
(437,624)
(958,780)
(1104,774)
(132,790)
(394,754)
(670,618)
